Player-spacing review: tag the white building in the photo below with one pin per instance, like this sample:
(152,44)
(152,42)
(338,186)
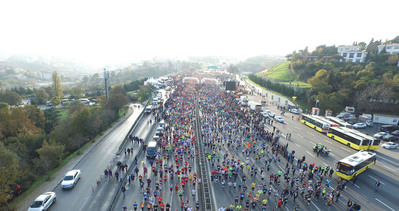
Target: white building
(354,56)
(351,53)
(343,48)
(390,48)
(385,119)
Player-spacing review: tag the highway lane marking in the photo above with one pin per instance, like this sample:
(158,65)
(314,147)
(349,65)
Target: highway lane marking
(332,154)
(343,148)
(315,206)
(385,166)
(325,163)
(310,153)
(312,142)
(385,204)
(296,144)
(356,186)
(375,179)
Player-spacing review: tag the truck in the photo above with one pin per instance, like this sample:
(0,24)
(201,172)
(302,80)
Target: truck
(152,149)
(255,106)
(148,109)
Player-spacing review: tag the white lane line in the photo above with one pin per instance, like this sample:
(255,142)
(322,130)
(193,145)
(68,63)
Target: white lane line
(315,206)
(325,164)
(280,168)
(310,153)
(385,204)
(356,186)
(343,148)
(332,154)
(386,167)
(375,179)
(312,142)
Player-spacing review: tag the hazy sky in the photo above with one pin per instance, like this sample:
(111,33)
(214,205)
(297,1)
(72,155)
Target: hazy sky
(107,32)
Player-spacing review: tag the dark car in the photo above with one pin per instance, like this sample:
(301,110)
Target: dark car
(395,133)
(389,128)
(392,139)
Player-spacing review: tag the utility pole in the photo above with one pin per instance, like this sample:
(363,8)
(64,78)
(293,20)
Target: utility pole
(106,81)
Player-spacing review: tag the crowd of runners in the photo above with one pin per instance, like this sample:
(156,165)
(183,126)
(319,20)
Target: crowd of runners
(245,155)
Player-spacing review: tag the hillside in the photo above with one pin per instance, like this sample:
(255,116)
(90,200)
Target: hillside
(280,72)
(371,85)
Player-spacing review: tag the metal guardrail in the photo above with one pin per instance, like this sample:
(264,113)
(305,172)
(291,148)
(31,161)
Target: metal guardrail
(130,168)
(132,129)
(205,189)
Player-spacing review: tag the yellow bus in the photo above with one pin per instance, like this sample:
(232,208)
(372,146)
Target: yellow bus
(349,138)
(315,123)
(374,143)
(355,164)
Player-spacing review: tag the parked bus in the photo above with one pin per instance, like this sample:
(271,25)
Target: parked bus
(331,123)
(315,123)
(355,164)
(349,138)
(152,149)
(374,143)
(339,121)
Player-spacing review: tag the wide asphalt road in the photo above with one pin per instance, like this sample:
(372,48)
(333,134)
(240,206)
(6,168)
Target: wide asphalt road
(92,167)
(303,140)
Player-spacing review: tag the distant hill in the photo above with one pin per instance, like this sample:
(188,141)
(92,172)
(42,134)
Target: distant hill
(259,63)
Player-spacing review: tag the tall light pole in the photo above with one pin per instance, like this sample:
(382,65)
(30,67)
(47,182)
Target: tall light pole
(106,81)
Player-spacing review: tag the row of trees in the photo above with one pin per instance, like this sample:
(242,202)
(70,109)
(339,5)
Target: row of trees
(337,84)
(301,94)
(33,141)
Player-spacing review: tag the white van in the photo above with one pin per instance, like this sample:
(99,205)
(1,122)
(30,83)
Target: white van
(152,149)
(162,124)
(159,131)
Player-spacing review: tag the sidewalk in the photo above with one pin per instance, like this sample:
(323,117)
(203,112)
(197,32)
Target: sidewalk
(56,178)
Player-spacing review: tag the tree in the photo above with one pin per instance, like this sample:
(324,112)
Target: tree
(144,93)
(9,174)
(117,101)
(319,82)
(4,106)
(50,155)
(57,89)
(393,59)
(233,69)
(35,115)
(10,97)
(41,96)
(77,91)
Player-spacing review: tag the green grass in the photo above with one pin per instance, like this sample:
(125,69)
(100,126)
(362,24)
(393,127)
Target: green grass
(299,84)
(300,102)
(131,92)
(280,71)
(122,111)
(62,114)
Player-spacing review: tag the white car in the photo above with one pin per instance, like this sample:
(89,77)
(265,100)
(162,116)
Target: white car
(294,111)
(390,145)
(265,114)
(71,178)
(380,135)
(43,202)
(279,119)
(359,125)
